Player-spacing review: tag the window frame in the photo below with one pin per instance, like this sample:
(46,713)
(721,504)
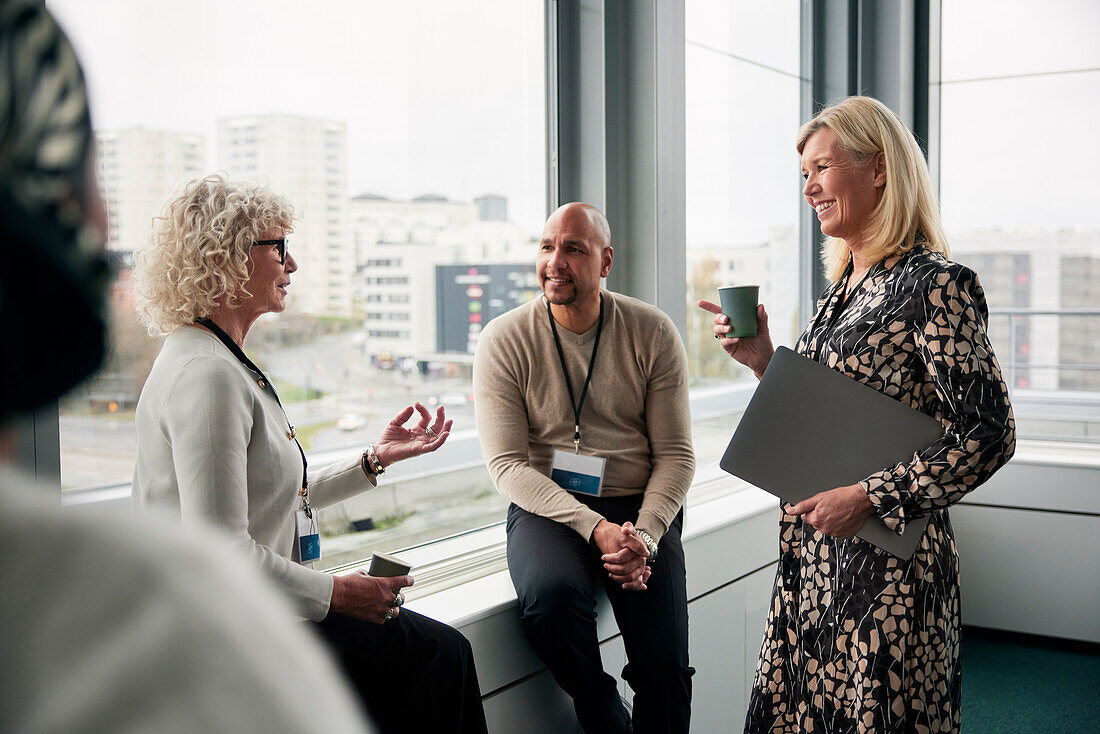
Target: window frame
(615,138)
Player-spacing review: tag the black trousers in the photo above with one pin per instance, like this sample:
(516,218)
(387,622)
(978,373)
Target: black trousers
(555,572)
(413,674)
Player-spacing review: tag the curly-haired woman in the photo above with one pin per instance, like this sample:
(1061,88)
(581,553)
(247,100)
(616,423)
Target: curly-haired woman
(215,445)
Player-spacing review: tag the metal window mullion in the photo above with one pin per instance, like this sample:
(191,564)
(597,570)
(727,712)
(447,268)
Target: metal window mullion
(37,446)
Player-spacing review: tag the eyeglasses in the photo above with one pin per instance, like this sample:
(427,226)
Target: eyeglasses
(281,244)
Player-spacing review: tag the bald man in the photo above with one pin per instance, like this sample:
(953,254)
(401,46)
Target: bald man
(582,410)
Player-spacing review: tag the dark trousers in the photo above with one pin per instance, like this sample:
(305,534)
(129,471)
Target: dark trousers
(556,572)
(413,674)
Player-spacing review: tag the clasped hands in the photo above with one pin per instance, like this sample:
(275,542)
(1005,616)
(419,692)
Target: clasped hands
(624,554)
(838,512)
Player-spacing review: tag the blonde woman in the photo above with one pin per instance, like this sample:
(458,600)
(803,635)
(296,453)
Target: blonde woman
(215,445)
(857,639)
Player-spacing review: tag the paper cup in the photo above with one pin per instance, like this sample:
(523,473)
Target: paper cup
(739,305)
(384,566)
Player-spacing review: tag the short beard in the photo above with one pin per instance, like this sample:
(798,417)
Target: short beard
(567,301)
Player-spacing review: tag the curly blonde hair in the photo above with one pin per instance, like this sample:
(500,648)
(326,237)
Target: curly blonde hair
(908,214)
(197,257)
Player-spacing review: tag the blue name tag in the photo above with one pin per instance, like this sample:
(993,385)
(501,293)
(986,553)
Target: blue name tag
(578,473)
(310,547)
(574,482)
(309,540)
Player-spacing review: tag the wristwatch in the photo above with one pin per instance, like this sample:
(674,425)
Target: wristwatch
(650,543)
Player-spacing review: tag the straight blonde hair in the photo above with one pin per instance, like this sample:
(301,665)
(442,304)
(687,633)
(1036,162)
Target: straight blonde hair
(908,214)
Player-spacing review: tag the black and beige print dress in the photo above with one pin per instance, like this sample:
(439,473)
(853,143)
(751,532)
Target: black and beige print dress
(857,639)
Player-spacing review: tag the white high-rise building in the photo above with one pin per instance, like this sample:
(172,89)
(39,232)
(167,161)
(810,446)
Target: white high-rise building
(306,160)
(398,245)
(1039,284)
(138,169)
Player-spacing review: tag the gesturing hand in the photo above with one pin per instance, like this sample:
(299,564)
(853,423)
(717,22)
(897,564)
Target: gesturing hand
(367,597)
(752,351)
(838,512)
(397,442)
(624,554)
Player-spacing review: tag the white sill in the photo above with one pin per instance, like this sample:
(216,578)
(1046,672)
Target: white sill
(1057,453)
(473,599)
(464,578)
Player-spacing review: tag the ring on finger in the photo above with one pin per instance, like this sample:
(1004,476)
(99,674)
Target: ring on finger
(388,614)
(717,336)
(429,432)
(398,600)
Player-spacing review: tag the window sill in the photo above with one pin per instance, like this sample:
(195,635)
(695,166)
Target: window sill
(464,578)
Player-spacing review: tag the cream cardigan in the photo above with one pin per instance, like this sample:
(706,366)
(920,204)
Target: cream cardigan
(215,447)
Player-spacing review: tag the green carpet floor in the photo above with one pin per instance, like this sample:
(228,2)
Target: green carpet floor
(1031,685)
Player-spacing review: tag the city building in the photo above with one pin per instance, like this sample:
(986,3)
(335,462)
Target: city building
(306,160)
(492,207)
(399,248)
(470,296)
(765,263)
(138,169)
(1035,280)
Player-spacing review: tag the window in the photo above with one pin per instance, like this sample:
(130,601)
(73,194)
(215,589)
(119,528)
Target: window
(386,280)
(742,90)
(447,109)
(1017,187)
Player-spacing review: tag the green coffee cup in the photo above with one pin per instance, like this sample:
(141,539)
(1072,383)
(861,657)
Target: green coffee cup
(384,566)
(739,305)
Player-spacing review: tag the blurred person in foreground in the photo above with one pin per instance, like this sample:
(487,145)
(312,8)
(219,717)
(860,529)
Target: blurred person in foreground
(215,446)
(857,639)
(106,624)
(582,411)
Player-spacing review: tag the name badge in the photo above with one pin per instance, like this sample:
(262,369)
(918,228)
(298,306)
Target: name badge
(309,541)
(578,473)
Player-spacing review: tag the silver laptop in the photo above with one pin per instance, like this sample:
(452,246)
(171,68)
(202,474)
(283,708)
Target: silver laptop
(809,428)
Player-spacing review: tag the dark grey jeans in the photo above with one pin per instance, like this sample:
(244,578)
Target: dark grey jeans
(556,572)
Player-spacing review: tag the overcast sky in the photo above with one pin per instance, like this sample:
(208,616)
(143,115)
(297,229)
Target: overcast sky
(439,96)
(448,97)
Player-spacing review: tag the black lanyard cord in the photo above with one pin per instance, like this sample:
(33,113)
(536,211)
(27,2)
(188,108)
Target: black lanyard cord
(265,384)
(565,371)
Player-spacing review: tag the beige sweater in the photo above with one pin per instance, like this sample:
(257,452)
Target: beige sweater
(636,413)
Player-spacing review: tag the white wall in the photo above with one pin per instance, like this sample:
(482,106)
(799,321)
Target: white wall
(1029,544)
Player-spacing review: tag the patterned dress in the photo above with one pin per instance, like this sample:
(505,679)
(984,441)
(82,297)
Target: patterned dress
(857,639)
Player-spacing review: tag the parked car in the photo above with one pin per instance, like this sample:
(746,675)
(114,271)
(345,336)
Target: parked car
(350,422)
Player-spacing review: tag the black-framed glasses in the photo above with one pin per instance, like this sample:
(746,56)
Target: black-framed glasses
(280,244)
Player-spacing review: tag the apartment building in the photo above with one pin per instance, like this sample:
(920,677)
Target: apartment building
(398,246)
(306,159)
(138,170)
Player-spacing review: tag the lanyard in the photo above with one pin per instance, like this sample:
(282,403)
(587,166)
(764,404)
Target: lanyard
(265,384)
(837,308)
(565,371)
